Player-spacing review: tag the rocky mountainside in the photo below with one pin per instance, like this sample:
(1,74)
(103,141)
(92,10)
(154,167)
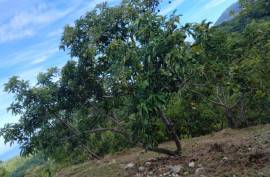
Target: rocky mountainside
(232,153)
(229,13)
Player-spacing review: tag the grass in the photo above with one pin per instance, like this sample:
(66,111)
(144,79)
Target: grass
(226,153)
(12,164)
(229,152)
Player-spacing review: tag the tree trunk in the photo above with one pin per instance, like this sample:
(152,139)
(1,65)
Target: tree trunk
(164,151)
(172,132)
(229,117)
(242,115)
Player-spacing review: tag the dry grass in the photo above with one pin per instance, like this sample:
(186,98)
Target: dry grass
(226,153)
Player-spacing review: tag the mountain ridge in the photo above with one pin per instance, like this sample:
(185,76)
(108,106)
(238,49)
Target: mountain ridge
(229,13)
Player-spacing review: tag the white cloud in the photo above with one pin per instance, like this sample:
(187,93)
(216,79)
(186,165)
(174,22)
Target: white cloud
(26,23)
(56,33)
(171,7)
(32,55)
(31,74)
(44,56)
(212,4)
(205,11)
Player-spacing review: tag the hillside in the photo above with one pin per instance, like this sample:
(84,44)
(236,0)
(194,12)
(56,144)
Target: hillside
(229,13)
(244,152)
(229,152)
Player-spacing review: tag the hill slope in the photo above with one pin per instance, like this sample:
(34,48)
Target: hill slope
(229,152)
(229,13)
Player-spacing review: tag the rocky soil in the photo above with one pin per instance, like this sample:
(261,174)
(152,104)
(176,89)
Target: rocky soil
(229,153)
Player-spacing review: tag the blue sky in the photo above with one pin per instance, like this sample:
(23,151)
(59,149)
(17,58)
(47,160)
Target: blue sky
(30,33)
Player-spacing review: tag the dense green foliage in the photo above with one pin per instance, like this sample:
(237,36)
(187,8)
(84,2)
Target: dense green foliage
(35,166)
(138,80)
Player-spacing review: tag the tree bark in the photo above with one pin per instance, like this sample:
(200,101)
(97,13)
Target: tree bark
(242,116)
(164,151)
(172,132)
(229,117)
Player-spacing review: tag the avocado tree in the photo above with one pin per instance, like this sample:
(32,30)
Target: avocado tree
(128,61)
(138,57)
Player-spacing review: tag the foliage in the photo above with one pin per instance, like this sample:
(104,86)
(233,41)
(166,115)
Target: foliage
(34,166)
(137,80)
(3,172)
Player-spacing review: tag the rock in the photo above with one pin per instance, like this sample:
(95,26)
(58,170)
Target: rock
(202,176)
(141,169)
(130,165)
(200,165)
(148,164)
(166,173)
(191,164)
(186,173)
(175,175)
(112,161)
(99,162)
(151,159)
(150,173)
(199,171)
(175,168)
(225,158)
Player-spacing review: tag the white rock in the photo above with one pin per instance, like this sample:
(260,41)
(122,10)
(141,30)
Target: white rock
(199,171)
(202,176)
(141,169)
(112,161)
(191,164)
(175,168)
(130,165)
(225,158)
(148,163)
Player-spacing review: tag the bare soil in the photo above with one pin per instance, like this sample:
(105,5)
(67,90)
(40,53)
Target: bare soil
(228,153)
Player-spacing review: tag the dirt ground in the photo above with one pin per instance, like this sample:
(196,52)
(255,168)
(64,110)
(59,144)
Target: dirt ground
(228,153)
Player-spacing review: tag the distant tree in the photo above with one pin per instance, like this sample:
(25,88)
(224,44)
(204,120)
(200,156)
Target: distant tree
(3,172)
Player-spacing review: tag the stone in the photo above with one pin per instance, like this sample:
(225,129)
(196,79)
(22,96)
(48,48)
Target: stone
(150,173)
(130,165)
(199,171)
(141,169)
(175,168)
(202,176)
(112,161)
(225,158)
(186,173)
(148,164)
(151,159)
(191,164)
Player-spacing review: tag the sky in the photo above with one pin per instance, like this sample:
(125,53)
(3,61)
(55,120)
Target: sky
(30,33)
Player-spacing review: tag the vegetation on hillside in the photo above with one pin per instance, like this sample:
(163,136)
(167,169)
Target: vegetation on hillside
(230,152)
(138,79)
